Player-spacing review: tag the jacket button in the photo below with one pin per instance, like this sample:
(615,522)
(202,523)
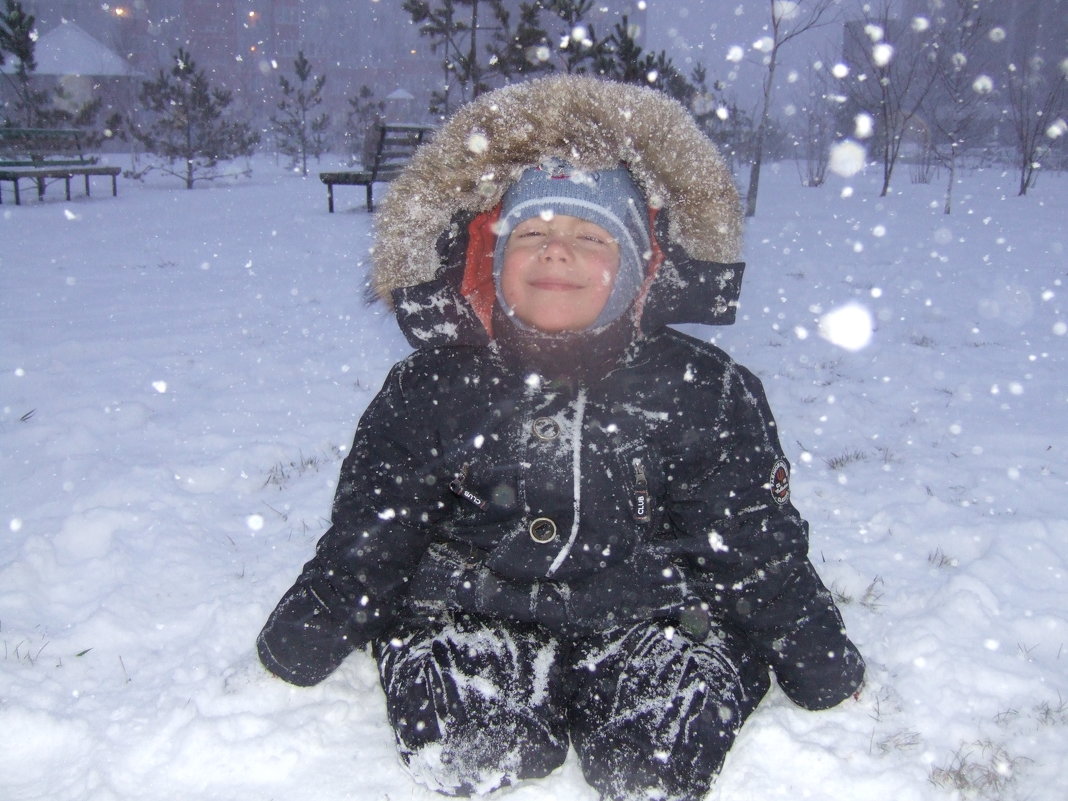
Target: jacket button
(542,530)
(545,428)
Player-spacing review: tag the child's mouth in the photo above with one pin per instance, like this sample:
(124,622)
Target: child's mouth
(554,285)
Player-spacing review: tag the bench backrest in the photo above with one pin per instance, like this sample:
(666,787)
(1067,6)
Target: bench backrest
(40,144)
(396,144)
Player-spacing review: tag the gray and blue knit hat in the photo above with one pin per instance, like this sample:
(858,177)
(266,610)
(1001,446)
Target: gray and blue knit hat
(609,198)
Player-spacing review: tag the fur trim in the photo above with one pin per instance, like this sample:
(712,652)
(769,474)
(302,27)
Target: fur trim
(594,124)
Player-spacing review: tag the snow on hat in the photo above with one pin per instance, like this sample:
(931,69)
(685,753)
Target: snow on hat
(609,198)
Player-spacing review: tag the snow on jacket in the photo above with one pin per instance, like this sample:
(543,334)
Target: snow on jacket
(646,480)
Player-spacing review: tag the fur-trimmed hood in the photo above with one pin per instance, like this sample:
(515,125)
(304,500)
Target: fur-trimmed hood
(594,124)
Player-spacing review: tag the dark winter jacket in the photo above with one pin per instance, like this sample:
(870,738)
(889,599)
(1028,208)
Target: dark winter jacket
(577,481)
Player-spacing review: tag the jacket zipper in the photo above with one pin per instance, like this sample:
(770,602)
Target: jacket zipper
(642,513)
(458,488)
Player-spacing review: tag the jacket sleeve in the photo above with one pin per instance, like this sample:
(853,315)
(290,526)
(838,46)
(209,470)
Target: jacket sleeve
(349,591)
(747,548)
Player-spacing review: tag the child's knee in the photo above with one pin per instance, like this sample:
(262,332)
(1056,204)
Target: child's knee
(625,767)
(656,721)
(469,710)
(484,756)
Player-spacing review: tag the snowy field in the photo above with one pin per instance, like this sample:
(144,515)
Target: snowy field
(180,373)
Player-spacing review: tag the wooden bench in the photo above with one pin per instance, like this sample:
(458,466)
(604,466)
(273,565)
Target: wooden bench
(40,154)
(396,144)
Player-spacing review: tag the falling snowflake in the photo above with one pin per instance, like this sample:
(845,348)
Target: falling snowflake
(850,327)
(847,158)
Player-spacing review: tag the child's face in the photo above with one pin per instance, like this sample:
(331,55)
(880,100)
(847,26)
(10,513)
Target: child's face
(559,272)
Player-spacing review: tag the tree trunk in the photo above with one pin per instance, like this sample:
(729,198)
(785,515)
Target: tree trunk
(952,179)
(754,175)
(889,158)
(758,155)
(303,141)
(188,156)
(472,57)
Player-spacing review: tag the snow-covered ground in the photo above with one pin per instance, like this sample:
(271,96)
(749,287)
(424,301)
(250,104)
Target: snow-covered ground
(180,373)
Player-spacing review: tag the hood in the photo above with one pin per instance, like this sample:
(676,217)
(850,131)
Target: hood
(445,200)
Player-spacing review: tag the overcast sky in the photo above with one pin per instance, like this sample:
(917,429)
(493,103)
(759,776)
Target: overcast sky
(710,31)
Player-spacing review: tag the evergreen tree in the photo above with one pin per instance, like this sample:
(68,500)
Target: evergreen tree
(190,129)
(579,49)
(525,48)
(18,39)
(523,51)
(468,57)
(364,112)
(16,35)
(623,59)
(298,132)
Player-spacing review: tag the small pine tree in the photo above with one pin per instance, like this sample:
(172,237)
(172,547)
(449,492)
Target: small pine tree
(18,39)
(299,134)
(190,130)
(522,50)
(623,59)
(579,50)
(456,28)
(364,112)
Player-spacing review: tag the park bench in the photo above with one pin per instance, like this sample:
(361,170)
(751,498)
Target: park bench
(394,148)
(43,154)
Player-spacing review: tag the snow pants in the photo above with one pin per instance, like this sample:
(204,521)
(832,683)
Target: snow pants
(478,703)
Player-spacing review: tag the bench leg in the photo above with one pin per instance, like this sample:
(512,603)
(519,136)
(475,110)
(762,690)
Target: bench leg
(114,186)
(66,181)
(370,201)
(87,186)
(330,197)
(18,200)
(40,188)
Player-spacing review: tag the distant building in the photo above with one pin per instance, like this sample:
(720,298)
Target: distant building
(1024,29)
(75,68)
(1020,35)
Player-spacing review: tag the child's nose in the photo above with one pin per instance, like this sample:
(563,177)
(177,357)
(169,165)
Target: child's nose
(556,246)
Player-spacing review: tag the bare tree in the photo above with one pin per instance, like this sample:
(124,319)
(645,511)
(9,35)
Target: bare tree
(892,72)
(1036,101)
(818,128)
(961,96)
(789,20)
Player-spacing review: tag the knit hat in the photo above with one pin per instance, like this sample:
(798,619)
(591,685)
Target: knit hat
(609,198)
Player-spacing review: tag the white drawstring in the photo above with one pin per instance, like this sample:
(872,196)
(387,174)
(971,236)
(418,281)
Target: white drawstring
(576,466)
